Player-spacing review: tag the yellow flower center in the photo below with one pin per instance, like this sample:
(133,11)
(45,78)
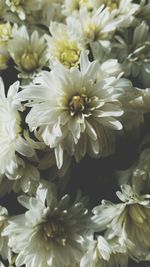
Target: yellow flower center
(29,61)
(68,53)
(112,4)
(86,3)
(77,4)
(5,32)
(78,104)
(92,32)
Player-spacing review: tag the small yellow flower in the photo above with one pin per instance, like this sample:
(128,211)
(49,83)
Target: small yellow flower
(5,33)
(112,4)
(68,53)
(29,61)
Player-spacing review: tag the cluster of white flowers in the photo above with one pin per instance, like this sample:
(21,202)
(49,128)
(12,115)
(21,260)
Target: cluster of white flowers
(74,121)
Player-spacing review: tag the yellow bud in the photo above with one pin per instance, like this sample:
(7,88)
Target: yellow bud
(92,31)
(68,53)
(5,32)
(29,61)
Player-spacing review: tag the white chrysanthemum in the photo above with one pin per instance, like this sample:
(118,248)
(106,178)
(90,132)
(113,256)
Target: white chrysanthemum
(27,51)
(98,253)
(11,140)
(135,105)
(132,216)
(25,178)
(50,233)
(90,27)
(135,54)
(72,6)
(107,253)
(23,7)
(73,112)
(4,249)
(51,10)
(138,175)
(124,10)
(62,47)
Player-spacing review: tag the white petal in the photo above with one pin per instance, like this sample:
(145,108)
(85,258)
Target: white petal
(23,147)
(59,156)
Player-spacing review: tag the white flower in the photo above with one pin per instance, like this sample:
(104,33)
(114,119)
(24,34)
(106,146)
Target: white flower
(4,249)
(51,10)
(22,7)
(138,175)
(27,51)
(132,216)
(51,232)
(25,178)
(124,10)
(119,254)
(61,46)
(74,112)
(90,27)
(73,6)
(98,253)
(106,253)
(134,53)
(11,140)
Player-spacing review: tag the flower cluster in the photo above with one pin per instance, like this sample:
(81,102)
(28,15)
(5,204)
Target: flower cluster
(74,117)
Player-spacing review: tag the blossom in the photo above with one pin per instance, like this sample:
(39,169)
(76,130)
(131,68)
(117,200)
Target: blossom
(134,54)
(22,7)
(61,46)
(96,26)
(98,253)
(131,216)
(125,11)
(51,232)
(138,175)
(4,249)
(72,111)
(25,178)
(107,253)
(27,51)
(72,6)
(11,140)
